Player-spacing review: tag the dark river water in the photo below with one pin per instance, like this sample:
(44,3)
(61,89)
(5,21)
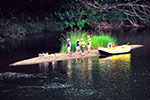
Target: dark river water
(120,77)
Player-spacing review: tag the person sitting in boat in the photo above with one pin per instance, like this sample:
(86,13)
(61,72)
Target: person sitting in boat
(89,43)
(77,46)
(110,45)
(82,46)
(68,46)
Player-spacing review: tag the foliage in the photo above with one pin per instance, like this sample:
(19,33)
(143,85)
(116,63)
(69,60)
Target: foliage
(1,40)
(73,36)
(18,22)
(96,40)
(79,13)
(21,29)
(76,14)
(18,19)
(115,16)
(72,15)
(135,12)
(102,40)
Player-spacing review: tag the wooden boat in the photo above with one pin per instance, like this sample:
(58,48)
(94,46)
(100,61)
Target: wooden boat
(115,50)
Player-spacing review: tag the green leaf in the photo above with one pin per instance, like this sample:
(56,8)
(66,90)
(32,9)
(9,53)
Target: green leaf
(66,23)
(55,13)
(96,3)
(61,16)
(71,24)
(81,23)
(103,17)
(1,40)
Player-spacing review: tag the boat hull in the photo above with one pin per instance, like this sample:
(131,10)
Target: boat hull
(107,53)
(115,51)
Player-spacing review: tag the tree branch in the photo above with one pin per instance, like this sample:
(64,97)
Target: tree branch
(131,9)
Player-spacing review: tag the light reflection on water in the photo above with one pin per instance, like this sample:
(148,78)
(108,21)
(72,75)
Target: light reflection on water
(112,66)
(108,76)
(84,78)
(115,63)
(79,69)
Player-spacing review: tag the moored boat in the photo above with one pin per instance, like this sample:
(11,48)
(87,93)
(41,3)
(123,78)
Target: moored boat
(114,50)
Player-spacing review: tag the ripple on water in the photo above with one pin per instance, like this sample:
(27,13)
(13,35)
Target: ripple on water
(14,75)
(47,87)
(80,92)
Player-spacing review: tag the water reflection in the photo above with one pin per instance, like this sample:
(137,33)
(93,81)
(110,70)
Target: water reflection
(80,69)
(117,62)
(115,76)
(44,67)
(102,77)
(116,67)
(54,64)
(86,67)
(78,63)
(69,71)
(45,64)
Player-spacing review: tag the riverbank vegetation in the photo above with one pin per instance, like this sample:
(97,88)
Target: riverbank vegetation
(18,18)
(16,30)
(96,40)
(104,14)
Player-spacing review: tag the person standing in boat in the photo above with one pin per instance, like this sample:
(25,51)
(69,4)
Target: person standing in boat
(83,44)
(89,43)
(77,46)
(68,46)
